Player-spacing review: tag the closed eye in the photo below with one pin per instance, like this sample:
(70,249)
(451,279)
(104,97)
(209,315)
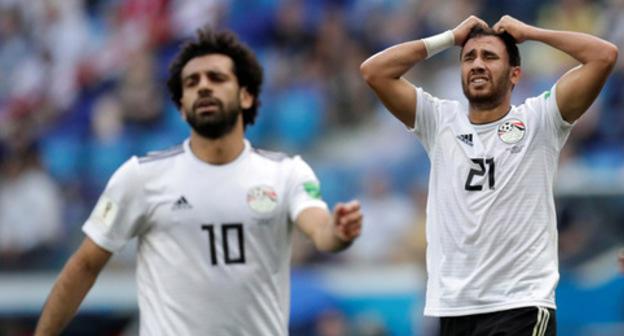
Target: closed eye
(469,56)
(191,80)
(490,56)
(217,77)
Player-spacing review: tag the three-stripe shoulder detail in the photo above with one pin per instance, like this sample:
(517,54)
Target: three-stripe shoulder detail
(273,156)
(163,154)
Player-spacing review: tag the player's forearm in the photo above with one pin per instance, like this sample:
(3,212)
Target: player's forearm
(332,233)
(583,47)
(68,292)
(326,240)
(394,62)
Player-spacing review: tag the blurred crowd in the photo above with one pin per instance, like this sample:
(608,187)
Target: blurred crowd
(82,90)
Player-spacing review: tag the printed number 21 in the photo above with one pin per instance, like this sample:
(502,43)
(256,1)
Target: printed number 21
(480,172)
(225,230)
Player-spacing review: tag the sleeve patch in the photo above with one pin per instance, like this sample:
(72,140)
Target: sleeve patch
(313,189)
(105,211)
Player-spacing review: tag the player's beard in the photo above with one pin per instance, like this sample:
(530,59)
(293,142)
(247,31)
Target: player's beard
(493,97)
(217,124)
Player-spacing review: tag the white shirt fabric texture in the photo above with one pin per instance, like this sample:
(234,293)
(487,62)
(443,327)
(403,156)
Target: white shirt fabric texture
(214,241)
(491,221)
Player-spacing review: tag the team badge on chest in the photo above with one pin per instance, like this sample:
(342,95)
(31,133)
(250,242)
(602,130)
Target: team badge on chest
(262,199)
(511,131)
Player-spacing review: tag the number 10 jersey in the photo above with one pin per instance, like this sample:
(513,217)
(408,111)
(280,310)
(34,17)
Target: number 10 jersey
(214,240)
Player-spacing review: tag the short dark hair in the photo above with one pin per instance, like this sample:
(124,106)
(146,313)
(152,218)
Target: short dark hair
(510,42)
(247,69)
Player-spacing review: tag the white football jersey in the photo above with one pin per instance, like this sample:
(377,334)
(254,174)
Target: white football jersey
(491,222)
(214,241)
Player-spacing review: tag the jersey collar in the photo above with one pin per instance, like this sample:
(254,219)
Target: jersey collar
(241,157)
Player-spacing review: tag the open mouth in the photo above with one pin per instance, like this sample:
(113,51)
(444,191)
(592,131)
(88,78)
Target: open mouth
(479,80)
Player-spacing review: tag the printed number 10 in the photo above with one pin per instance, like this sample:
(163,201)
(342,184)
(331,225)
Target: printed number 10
(225,230)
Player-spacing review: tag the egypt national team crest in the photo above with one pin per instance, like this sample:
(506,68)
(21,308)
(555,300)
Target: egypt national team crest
(262,199)
(511,131)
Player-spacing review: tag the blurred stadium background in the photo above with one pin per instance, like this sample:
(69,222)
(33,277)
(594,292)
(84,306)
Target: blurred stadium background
(82,89)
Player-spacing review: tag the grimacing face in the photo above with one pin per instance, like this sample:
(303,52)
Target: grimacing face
(487,76)
(212,100)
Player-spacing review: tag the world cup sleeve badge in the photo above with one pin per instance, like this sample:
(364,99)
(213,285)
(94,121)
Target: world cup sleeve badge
(511,131)
(105,211)
(262,199)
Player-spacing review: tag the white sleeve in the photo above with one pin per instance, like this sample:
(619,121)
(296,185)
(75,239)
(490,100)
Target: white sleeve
(427,117)
(118,213)
(545,105)
(304,189)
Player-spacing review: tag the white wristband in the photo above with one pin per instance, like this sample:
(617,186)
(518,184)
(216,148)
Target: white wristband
(436,43)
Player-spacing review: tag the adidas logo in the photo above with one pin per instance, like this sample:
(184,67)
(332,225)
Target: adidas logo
(465,138)
(181,203)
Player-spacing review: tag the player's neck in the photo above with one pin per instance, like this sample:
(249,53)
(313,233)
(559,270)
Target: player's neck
(218,151)
(483,114)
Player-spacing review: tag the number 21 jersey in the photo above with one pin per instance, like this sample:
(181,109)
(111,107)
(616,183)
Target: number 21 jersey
(491,223)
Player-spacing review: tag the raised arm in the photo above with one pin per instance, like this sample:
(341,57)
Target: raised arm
(332,233)
(579,87)
(71,287)
(384,71)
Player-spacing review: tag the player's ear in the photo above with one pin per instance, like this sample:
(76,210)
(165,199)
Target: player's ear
(515,74)
(246,99)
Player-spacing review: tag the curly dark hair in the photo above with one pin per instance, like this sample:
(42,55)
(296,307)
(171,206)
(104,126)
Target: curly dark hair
(247,69)
(510,42)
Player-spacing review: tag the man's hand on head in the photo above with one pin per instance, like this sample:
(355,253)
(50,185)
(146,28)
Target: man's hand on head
(462,30)
(514,27)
